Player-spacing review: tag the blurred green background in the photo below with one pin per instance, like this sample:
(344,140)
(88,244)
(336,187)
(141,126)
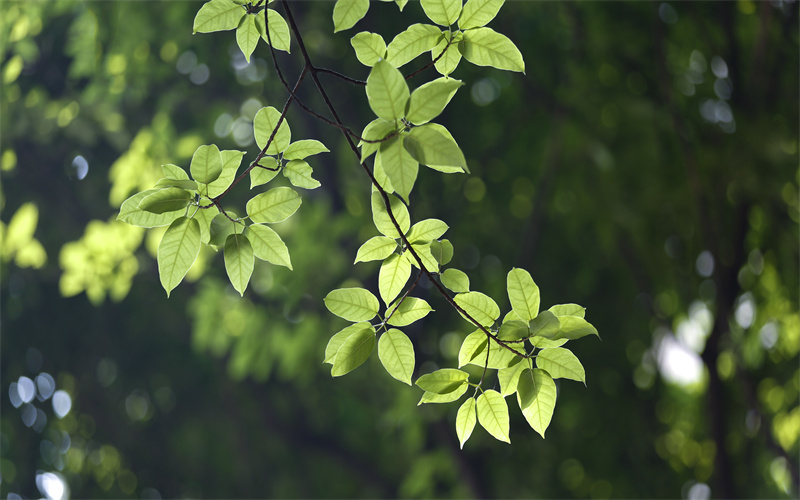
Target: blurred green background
(646,167)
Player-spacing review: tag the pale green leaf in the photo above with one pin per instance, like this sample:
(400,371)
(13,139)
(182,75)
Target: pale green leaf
(425,254)
(239,261)
(204,216)
(545,325)
(376,130)
(381,177)
(380,215)
(130,212)
(370,47)
(299,174)
(174,172)
(442,251)
(247,35)
(486,47)
(448,62)
(574,327)
(442,12)
(393,276)
(426,230)
(376,248)
(177,251)
(411,309)
(536,395)
(544,343)
(268,245)
(481,307)
(346,13)
(338,339)
(396,353)
(432,397)
(455,280)
(217,15)
(230,165)
(259,176)
(523,294)
(206,164)
(465,421)
(509,378)
(473,351)
(387,91)
(442,381)
(432,148)
(415,40)
(430,99)
(354,351)
(179,183)
(352,304)
(264,125)
(493,415)
(513,330)
(165,200)
(478,13)
(222,226)
(568,310)
(278,30)
(399,166)
(472,348)
(304,148)
(401,4)
(561,363)
(276,205)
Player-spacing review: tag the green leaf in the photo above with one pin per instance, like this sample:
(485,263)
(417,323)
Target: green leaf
(545,325)
(165,200)
(177,251)
(573,327)
(376,248)
(536,395)
(247,35)
(430,99)
(442,251)
(381,177)
(401,4)
(259,176)
(299,174)
(393,276)
(478,13)
(442,381)
(304,148)
(130,212)
(425,254)
(513,330)
(338,339)
(217,15)
(278,30)
(448,62)
(427,230)
(354,351)
(465,421)
(455,280)
(396,353)
(276,205)
(346,13)
(230,165)
(473,346)
(399,166)
(523,294)
(415,40)
(543,343)
(239,261)
(481,307)
(387,91)
(432,397)
(430,147)
(442,12)
(206,164)
(375,130)
(222,226)
(370,47)
(174,172)
(568,310)
(473,351)
(264,124)
(179,183)
(352,304)
(380,215)
(509,378)
(561,363)
(493,415)
(411,309)
(204,216)
(268,245)
(486,47)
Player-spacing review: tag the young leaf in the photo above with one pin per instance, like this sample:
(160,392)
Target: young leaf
(400,167)
(375,130)
(568,310)
(442,251)
(299,174)
(264,125)
(499,357)
(174,172)
(481,307)
(230,164)
(411,309)
(509,378)
(370,47)
(472,348)
(430,99)
(278,30)
(165,200)
(493,414)
(177,251)
(412,42)
(222,226)
(426,230)
(545,325)
(354,351)
(267,245)
(396,353)
(239,261)
(304,148)
(465,421)
(381,217)
(478,13)
(247,35)
(449,397)
(179,183)
(513,330)
(352,304)
(130,212)
(536,395)
(217,15)
(206,164)
(276,205)
(442,381)
(376,248)
(204,217)
(387,91)
(381,177)
(338,339)
(424,252)
(259,176)
(393,276)
(346,13)
(486,47)
(573,327)
(430,147)
(544,343)
(442,12)
(448,62)
(561,363)
(523,294)
(455,280)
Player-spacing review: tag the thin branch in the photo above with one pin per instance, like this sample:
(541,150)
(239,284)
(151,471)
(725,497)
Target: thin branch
(346,78)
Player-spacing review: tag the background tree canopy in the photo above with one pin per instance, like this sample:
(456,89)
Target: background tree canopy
(644,167)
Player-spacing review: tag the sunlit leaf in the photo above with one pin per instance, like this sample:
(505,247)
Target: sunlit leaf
(204,218)
(259,176)
(442,381)
(432,397)
(206,164)
(179,183)
(396,353)
(268,245)
(375,130)
(299,174)
(448,62)
(411,309)
(486,47)
(415,40)
(264,125)
(430,147)
(561,363)
(493,415)
(423,250)
(223,225)
(442,251)
(455,280)
(276,205)
(165,200)
(442,12)
(217,15)
(474,351)
(383,222)
(387,91)
(376,248)
(399,166)
(477,13)
(346,13)
(545,325)
(573,327)
(568,310)
(544,343)
(230,165)
(473,347)
(465,421)
(352,304)
(239,261)
(304,148)
(509,378)
(393,276)
(338,339)
(481,307)
(177,251)
(278,30)
(354,351)
(370,47)
(174,172)
(130,212)
(247,35)
(427,230)
(513,330)
(430,99)
(523,294)
(536,395)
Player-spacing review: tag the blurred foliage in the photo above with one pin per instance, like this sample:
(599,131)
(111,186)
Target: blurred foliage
(650,157)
